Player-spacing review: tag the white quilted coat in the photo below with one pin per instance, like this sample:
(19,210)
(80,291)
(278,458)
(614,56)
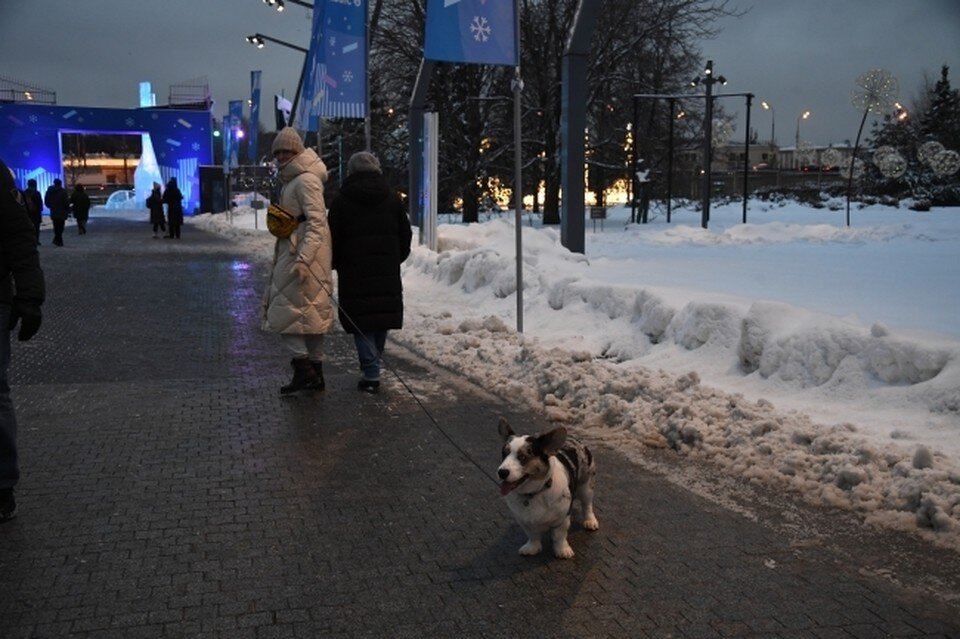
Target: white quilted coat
(289,305)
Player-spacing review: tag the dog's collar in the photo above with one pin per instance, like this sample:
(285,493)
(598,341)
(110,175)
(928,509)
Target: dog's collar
(528,496)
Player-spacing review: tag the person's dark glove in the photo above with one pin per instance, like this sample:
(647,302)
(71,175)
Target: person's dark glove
(29,316)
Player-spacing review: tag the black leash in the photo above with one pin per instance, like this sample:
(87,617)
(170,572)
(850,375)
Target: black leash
(403,382)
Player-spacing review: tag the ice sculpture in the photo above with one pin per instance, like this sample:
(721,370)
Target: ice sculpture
(147,172)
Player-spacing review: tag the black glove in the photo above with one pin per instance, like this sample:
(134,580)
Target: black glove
(29,316)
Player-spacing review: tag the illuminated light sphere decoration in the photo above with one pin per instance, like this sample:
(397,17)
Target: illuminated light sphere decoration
(882,151)
(945,163)
(722,132)
(852,168)
(805,153)
(928,151)
(831,157)
(876,92)
(893,165)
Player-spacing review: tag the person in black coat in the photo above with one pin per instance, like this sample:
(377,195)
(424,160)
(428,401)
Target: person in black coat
(80,205)
(58,202)
(21,294)
(155,204)
(34,203)
(371,237)
(173,198)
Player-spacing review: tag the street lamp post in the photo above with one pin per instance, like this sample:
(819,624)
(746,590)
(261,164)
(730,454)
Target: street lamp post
(279,5)
(773,121)
(802,116)
(257,39)
(708,80)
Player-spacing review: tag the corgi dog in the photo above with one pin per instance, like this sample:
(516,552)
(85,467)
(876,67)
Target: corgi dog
(541,476)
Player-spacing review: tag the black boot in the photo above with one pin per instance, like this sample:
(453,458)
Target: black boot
(303,377)
(318,371)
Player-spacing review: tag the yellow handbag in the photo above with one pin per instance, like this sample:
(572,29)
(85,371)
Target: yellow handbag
(281,222)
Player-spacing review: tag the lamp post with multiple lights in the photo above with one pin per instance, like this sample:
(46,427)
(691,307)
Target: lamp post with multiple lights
(258,39)
(708,80)
(280,5)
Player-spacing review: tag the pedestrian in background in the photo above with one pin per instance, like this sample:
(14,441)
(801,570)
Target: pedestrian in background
(34,202)
(21,294)
(174,201)
(371,238)
(80,205)
(155,204)
(58,202)
(296,303)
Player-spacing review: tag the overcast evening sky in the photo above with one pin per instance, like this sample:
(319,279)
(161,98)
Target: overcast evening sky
(795,54)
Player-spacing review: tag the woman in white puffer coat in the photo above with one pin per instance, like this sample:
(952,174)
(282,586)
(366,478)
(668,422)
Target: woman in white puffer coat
(297,301)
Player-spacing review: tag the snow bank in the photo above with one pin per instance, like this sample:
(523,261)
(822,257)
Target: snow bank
(591,366)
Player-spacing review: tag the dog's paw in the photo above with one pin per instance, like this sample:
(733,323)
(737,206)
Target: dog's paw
(564,551)
(591,523)
(530,549)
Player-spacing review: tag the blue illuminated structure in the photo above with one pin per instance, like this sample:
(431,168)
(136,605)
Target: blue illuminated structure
(30,140)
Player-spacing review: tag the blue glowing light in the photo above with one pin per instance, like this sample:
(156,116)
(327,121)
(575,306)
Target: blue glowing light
(30,140)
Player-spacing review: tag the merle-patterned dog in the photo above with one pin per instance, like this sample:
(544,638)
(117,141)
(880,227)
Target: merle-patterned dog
(541,478)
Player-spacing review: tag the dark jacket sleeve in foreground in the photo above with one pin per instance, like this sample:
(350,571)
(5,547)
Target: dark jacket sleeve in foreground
(18,252)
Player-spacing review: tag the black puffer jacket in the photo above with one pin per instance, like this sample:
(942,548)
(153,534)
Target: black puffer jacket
(371,237)
(19,260)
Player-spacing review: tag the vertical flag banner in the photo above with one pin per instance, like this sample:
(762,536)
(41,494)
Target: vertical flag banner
(254,117)
(335,85)
(471,31)
(312,71)
(235,120)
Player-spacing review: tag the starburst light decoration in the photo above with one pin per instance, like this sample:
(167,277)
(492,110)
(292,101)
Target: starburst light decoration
(928,151)
(876,92)
(893,165)
(852,169)
(831,157)
(945,163)
(722,132)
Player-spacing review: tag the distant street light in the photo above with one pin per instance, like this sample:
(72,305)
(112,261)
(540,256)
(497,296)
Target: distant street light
(773,122)
(802,116)
(708,80)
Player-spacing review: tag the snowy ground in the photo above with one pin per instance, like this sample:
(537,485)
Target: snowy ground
(791,351)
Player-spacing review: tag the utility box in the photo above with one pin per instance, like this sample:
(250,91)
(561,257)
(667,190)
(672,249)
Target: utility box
(213,190)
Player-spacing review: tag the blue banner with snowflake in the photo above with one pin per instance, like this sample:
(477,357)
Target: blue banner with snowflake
(472,31)
(335,82)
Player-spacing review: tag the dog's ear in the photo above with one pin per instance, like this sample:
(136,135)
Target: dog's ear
(552,441)
(504,429)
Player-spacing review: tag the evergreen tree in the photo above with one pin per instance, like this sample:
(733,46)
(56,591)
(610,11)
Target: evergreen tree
(942,121)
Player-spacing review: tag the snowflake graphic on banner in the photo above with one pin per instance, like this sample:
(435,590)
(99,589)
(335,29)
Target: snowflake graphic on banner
(480,29)
(195,146)
(129,121)
(348,76)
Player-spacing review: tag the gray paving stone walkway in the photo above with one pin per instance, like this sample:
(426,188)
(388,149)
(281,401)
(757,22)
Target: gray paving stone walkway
(168,491)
